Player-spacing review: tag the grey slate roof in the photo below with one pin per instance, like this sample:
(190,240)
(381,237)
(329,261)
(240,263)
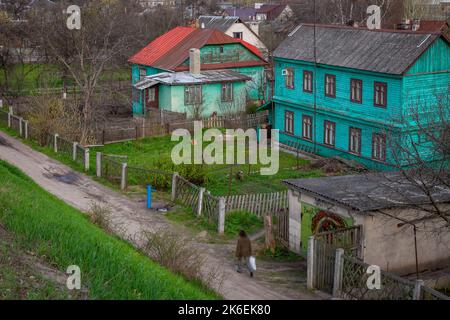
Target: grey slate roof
(368,192)
(183,78)
(390,52)
(220,23)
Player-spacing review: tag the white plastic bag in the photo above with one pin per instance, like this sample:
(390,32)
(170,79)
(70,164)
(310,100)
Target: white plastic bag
(252,263)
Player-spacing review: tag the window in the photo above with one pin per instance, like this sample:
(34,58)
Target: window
(380,99)
(329,133)
(330,86)
(379,146)
(150,93)
(356,90)
(142,73)
(227,92)
(307,127)
(193,94)
(238,35)
(289,78)
(355,141)
(221,49)
(307,81)
(289,122)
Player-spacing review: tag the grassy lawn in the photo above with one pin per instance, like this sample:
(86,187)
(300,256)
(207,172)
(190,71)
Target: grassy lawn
(155,153)
(32,76)
(111,268)
(234,222)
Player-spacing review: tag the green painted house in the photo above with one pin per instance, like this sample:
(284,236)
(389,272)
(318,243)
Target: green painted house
(354,94)
(226,74)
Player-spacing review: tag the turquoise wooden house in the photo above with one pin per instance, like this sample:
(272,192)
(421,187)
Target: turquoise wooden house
(354,92)
(227,72)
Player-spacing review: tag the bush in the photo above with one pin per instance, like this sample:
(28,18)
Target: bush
(242,220)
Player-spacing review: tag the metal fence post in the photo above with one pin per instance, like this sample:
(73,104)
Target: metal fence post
(55,143)
(221,224)
(123,178)
(174,185)
(310,263)
(418,290)
(86,159)
(338,269)
(26,128)
(200,201)
(98,164)
(74,151)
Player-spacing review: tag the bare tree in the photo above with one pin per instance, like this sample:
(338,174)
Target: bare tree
(85,54)
(421,154)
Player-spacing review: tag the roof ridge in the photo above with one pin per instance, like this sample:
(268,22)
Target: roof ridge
(337,26)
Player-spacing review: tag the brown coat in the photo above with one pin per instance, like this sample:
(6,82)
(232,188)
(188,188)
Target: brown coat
(244,247)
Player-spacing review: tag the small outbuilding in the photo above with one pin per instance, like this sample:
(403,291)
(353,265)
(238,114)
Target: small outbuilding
(402,225)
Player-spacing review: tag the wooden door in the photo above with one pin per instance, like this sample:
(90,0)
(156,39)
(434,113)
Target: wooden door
(151,97)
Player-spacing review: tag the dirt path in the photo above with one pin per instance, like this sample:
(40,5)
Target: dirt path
(133,218)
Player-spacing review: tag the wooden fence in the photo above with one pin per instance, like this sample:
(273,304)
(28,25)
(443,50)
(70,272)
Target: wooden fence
(281,227)
(164,123)
(258,203)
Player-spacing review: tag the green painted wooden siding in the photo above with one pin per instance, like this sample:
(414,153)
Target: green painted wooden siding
(211,98)
(424,81)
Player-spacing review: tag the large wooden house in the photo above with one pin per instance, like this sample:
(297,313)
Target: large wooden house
(345,92)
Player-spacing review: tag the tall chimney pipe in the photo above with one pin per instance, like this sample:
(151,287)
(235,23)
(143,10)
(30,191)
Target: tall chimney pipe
(194,61)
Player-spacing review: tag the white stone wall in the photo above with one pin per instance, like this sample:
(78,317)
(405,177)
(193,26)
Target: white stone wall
(392,247)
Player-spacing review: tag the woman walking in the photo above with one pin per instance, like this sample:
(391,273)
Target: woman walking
(243,252)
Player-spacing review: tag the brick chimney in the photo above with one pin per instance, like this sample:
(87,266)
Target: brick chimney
(194,61)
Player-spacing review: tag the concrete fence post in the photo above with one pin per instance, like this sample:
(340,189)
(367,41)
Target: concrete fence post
(55,142)
(221,224)
(417,295)
(74,151)
(123,177)
(9,119)
(98,164)
(11,110)
(86,159)
(26,129)
(200,201)
(338,272)
(20,127)
(310,274)
(174,186)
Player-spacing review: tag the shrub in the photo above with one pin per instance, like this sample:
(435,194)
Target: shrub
(242,220)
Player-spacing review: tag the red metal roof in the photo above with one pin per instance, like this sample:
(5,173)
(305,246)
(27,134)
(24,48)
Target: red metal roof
(171,49)
(160,46)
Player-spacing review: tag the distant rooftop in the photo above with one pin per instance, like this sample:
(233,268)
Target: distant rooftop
(222,23)
(244,13)
(369,192)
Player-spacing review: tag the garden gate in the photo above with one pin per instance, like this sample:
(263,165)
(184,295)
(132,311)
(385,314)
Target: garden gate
(324,247)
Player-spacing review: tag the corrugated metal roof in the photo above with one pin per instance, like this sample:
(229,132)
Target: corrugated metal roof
(381,51)
(370,192)
(170,50)
(183,78)
(221,23)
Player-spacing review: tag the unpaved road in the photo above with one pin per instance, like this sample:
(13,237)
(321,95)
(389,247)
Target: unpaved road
(133,218)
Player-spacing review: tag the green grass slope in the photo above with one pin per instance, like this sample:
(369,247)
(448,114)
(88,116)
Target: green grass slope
(110,267)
